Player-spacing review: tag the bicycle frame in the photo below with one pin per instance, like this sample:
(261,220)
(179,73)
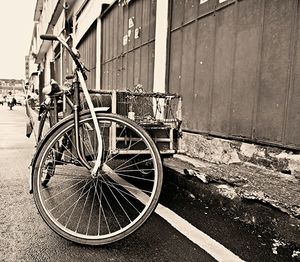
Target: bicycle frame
(80,78)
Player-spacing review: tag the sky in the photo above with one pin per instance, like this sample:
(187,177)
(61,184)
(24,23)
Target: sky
(16,27)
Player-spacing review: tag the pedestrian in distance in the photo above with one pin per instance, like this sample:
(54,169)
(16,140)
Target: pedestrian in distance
(10,100)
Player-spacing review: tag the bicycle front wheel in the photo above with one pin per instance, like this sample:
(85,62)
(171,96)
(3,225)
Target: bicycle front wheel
(106,207)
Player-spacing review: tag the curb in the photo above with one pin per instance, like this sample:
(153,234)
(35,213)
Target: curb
(251,211)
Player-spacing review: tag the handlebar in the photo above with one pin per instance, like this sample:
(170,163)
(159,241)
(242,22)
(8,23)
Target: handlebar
(49,37)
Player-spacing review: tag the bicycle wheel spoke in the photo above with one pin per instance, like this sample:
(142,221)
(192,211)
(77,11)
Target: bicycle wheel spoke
(90,216)
(135,177)
(59,193)
(74,204)
(105,206)
(101,210)
(123,193)
(127,161)
(124,168)
(83,208)
(118,202)
(131,188)
(119,153)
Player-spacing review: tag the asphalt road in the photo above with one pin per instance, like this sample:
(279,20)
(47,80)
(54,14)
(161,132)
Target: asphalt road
(25,237)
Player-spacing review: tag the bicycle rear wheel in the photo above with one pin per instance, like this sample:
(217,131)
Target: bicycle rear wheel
(102,209)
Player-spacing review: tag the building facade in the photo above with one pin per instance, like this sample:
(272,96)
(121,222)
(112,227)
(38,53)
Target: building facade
(235,62)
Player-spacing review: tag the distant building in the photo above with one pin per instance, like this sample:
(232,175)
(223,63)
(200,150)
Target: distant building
(11,85)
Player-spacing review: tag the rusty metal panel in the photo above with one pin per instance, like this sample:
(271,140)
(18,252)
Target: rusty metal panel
(144,67)
(119,25)
(246,64)
(125,27)
(138,20)
(145,36)
(274,70)
(152,21)
(187,71)
(222,71)
(87,48)
(175,61)
(119,69)
(292,134)
(177,13)
(130,69)
(114,73)
(128,45)
(104,78)
(137,67)
(151,49)
(67,68)
(57,64)
(109,75)
(204,73)
(244,90)
(125,68)
(114,30)
(130,27)
(207,7)
(190,10)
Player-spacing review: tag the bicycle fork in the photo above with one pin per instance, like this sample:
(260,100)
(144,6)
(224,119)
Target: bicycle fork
(98,163)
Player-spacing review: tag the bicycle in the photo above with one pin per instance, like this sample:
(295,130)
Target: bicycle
(96,177)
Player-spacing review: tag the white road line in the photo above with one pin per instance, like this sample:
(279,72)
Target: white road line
(211,246)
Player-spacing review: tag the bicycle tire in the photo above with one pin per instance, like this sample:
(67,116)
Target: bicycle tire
(106,208)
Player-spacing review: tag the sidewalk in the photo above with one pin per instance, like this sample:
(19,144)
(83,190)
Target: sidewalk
(250,193)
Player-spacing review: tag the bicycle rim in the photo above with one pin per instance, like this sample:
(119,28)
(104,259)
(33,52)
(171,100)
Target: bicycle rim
(108,207)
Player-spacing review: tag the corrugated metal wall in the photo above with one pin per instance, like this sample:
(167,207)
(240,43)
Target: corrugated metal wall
(237,65)
(67,68)
(88,52)
(55,71)
(128,35)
